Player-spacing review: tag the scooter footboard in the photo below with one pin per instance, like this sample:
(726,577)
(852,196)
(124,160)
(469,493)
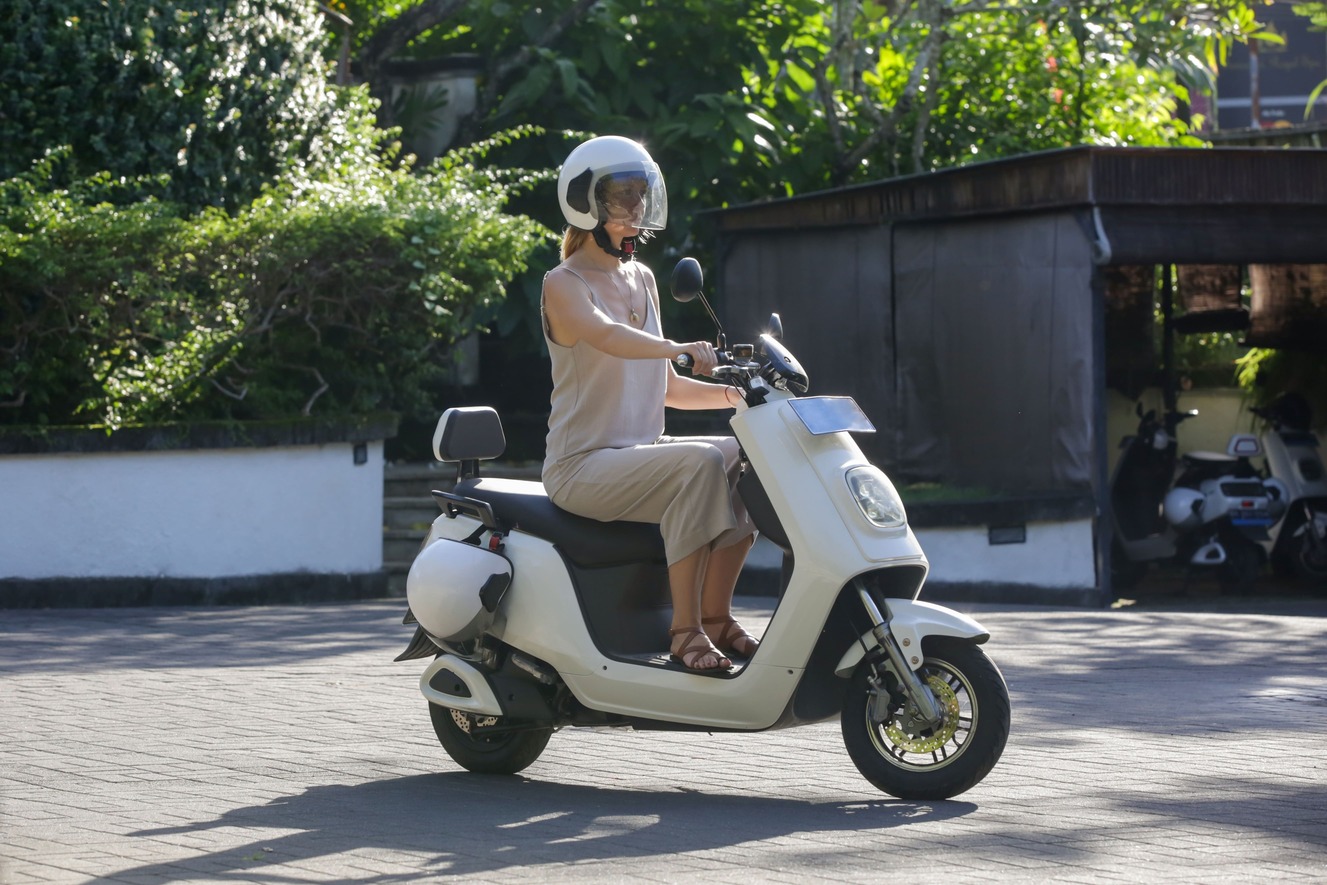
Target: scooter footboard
(911,621)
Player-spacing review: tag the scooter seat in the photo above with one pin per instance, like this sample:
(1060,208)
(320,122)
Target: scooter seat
(524,505)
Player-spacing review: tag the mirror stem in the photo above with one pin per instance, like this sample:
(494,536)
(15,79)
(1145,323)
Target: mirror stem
(718,325)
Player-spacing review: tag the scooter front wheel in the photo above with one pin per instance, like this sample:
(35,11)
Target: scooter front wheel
(932,763)
(484,744)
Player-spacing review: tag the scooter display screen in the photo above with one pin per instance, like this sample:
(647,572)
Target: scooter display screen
(831,414)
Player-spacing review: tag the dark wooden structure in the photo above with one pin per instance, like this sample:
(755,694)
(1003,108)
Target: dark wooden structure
(973,312)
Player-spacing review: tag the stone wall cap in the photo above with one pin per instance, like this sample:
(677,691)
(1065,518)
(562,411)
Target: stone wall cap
(199,435)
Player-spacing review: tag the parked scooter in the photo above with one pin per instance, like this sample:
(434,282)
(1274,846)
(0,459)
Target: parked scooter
(540,619)
(1297,543)
(1203,509)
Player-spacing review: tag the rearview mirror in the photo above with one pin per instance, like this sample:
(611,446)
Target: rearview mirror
(775,326)
(687,280)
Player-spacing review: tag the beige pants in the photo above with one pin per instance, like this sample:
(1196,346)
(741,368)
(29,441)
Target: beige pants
(688,485)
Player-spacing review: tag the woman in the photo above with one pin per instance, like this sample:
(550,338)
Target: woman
(612,376)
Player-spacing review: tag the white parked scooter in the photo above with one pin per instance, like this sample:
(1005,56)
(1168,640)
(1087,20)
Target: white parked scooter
(1206,509)
(540,619)
(1297,543)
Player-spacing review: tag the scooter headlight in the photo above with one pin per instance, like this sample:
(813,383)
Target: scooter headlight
(876,497)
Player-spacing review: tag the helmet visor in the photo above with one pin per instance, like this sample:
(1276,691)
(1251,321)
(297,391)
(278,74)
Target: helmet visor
(633,197)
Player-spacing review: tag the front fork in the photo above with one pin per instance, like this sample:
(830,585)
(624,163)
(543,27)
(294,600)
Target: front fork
(925,707)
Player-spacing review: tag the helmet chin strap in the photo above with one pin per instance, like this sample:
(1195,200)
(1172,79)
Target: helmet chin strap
(626,253)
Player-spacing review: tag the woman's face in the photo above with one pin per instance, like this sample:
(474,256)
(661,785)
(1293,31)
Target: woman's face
(624,201)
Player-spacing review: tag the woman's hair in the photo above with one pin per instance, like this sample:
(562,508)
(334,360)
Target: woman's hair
(573,238)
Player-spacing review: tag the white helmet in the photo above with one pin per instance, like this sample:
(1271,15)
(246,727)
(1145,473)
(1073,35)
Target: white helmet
(453,588)
(609,177)
(1183,507)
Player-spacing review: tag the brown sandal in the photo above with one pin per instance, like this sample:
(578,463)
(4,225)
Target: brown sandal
(695,646)
(733,639)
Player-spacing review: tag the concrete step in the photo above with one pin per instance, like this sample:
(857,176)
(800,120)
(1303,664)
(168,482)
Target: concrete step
(409,513)
(417,480)
(401,545)
(408,508)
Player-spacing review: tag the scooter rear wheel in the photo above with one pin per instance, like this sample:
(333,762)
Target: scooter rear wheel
(937,763)
(481,744)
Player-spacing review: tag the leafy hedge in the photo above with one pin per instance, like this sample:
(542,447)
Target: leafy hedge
(195,225)
(331,295)
(209,100)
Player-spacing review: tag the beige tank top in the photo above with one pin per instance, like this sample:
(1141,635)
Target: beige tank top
(601,401)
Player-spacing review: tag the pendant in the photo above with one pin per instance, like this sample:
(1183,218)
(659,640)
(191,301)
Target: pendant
(634,317)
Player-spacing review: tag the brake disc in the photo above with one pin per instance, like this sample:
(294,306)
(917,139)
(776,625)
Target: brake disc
(904,730)
(468,722)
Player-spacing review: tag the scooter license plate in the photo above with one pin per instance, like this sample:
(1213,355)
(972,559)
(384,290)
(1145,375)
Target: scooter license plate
(831,414)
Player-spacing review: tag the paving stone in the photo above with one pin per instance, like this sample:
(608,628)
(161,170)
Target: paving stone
(283,744)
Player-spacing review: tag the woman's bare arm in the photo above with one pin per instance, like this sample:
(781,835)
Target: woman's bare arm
(573,317)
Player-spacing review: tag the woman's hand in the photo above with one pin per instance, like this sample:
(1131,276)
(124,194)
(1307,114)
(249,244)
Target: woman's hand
(705,360)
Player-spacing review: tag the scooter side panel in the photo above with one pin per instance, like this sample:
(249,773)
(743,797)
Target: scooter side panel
(1282,461)
(830,546)
(540,616)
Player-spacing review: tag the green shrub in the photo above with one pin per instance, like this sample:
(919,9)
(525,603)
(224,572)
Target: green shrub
(1267,373)
(218,98)
(334,293)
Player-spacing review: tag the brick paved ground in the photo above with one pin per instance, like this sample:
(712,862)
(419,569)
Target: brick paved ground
(283,745)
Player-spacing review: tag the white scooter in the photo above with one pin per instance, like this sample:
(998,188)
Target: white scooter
(1297,543)
(1206,509)
(540,619)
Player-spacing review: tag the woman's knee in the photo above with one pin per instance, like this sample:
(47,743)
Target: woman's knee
(710,463)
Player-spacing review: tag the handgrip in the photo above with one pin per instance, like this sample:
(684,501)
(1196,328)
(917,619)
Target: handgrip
(684,360)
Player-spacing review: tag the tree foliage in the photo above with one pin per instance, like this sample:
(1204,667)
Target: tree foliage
(743,100)
(324,275)
(806,93)
(200,103)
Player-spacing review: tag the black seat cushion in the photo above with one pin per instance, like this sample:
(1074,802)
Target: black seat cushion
(589,543)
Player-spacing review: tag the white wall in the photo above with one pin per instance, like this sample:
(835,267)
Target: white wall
(192,513)
(1055,555)
(1222,411)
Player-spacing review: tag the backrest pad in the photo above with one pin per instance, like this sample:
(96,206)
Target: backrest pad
(469,433)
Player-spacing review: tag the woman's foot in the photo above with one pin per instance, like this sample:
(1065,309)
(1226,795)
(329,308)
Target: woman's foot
(732,638)
(692,649)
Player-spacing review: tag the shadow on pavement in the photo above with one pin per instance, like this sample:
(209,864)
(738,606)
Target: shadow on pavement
(465,824)
(170,637)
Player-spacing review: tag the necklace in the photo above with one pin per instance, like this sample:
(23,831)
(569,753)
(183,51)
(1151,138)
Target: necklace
(631,308)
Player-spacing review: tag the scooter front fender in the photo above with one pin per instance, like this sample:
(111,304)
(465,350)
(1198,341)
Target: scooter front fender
(911,621)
